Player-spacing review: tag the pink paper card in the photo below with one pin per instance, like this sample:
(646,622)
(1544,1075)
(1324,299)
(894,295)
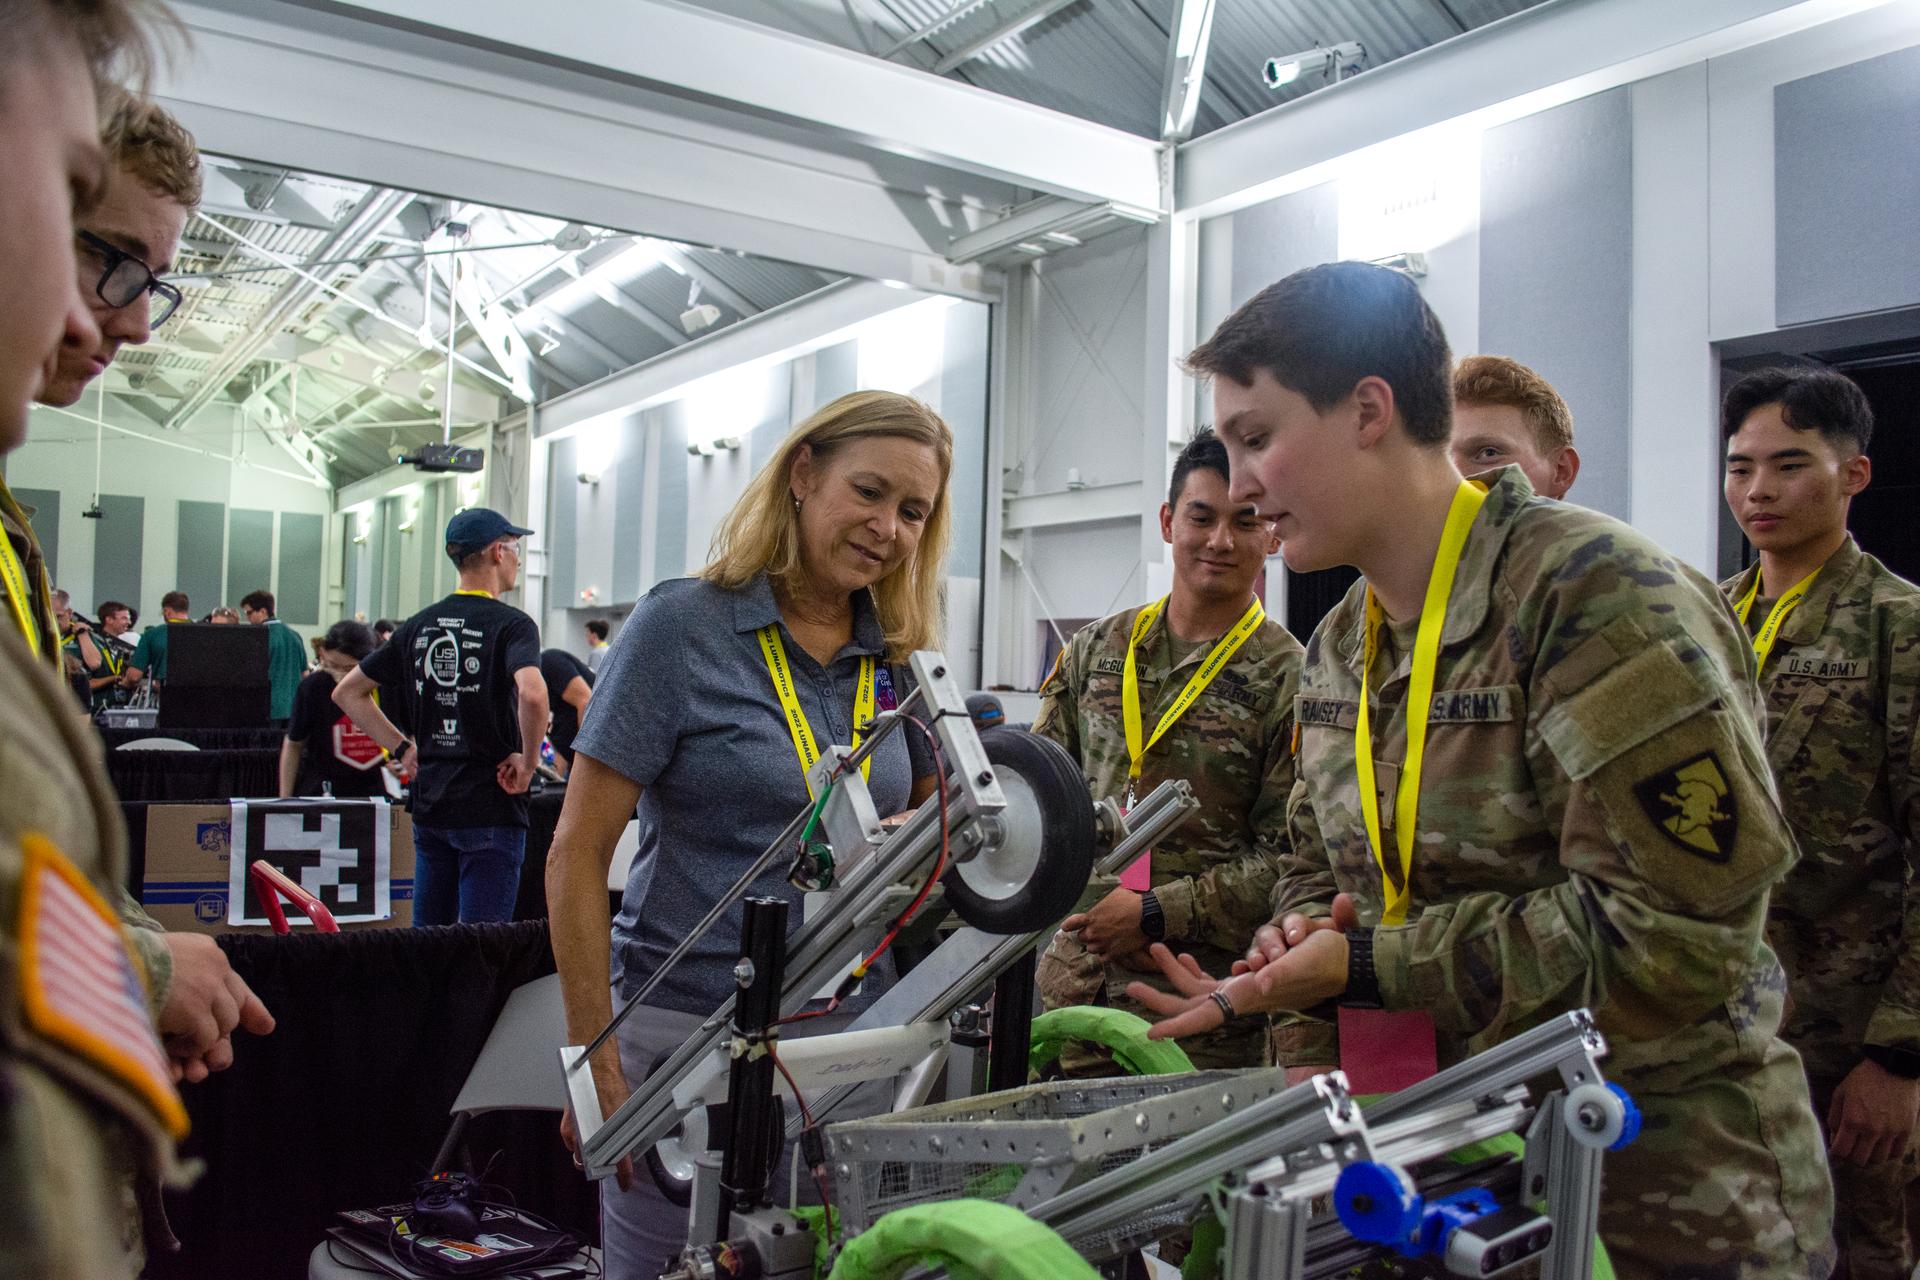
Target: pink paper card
(1139,873)
(1384,1051)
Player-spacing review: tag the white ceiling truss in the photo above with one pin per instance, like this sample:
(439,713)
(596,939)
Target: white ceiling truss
(681,158)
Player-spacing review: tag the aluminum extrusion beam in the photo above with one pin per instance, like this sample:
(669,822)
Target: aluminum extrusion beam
(1558,51)
(708,56)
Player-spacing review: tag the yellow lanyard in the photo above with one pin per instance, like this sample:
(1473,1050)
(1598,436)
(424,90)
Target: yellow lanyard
(1223,650)
(804,745)
(1770,629)
(13,575)
(464,591)
(1426,657)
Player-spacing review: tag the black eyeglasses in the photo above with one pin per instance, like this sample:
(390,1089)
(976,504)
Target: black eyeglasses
(125,278)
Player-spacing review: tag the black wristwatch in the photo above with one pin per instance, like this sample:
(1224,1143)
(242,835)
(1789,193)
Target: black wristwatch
(1153,922)
(1363,981)
(1904,1063)
(406,745)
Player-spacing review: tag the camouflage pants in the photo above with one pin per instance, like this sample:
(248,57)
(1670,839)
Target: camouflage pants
(1070,975)
(1877,1208)
(1725,1182)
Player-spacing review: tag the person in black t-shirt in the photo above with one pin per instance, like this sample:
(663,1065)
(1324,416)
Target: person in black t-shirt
(324,750)
(468,674)
(569,688)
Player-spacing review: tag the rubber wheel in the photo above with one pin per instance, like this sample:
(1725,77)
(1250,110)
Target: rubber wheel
(1035,877)
(670,1160)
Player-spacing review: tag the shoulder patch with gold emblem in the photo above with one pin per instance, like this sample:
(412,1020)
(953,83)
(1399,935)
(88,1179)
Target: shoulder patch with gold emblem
(1693,804)
(80,987)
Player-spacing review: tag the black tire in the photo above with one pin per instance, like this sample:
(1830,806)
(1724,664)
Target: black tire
(679,1190)
(1047,796)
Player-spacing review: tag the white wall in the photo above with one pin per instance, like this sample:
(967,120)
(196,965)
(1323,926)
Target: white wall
(59,455)
(654,512)
(1702,273)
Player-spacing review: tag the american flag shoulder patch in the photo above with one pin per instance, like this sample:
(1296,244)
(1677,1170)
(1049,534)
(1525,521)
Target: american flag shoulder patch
(80,986)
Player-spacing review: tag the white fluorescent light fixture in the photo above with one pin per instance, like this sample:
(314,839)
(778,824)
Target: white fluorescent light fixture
(1338,61)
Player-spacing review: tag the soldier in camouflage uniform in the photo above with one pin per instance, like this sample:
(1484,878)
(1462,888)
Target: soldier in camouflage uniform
(1212,877)
(1595,826)
(1840,671)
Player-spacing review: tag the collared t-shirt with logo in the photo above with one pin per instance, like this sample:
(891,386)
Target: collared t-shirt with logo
(453,664)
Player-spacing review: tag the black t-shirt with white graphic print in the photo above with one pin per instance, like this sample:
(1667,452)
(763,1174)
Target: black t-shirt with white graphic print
(334,750)
(453,664)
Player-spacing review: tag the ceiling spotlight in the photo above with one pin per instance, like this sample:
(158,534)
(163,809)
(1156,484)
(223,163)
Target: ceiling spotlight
(703,315)
(1337,62)
(701,448)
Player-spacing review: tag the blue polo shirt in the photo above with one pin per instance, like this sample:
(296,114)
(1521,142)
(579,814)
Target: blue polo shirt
(685,707)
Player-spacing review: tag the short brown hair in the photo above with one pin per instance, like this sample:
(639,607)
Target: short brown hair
(1496,380)
(145,140)
(120,39)
(1320,331)
(176,601)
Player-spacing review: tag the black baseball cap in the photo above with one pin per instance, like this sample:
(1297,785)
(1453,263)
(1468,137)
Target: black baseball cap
(478,527)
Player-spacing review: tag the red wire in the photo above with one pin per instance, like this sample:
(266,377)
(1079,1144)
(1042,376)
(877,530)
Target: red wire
(820,1183)
(940,863)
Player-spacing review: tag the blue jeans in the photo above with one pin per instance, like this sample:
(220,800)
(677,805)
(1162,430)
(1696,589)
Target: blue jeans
(470,874)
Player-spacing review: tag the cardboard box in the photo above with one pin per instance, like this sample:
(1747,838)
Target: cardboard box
(188,865)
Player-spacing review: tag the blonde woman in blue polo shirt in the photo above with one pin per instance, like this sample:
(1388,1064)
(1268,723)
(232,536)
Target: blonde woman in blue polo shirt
(830,566)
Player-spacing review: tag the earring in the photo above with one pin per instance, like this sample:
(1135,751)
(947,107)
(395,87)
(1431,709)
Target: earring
(796,502)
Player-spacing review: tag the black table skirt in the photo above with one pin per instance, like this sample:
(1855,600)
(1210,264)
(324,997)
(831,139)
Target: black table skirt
(345,1103)
(186,777)
(205,739)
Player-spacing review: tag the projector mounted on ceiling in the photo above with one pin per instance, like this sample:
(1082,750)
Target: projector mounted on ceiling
(444,457)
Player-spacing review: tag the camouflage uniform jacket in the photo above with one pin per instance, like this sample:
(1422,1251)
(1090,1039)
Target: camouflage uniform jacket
(1213,876)
(17,528)
(76,1121)
(1597,829)
(1842,689)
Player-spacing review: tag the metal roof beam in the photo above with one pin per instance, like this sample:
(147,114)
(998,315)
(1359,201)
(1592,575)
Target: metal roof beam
(1522,64)
(1010,25)
(359,229)
(780,331)
(1186,73)
(329,93)
(694,53)
(709,283)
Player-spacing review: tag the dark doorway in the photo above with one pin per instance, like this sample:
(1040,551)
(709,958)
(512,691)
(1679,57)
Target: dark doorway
(1311,597)
(1882,519)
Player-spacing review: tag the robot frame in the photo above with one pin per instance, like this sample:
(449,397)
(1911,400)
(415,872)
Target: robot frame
(1009,847)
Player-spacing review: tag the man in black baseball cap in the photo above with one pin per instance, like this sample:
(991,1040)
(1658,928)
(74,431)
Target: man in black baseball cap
(467,673)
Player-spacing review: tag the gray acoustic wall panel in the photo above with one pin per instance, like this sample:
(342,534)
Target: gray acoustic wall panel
(1279,237)
(1846,164)
(350,572)
(392,550)
(429,526)
(562,514)
(119,541)
(201,555)
(1556,271)
(45,504)
(963,402)
(836,372)
(249,556)
(376,553)
(670,516)
(629,510)
(302,554)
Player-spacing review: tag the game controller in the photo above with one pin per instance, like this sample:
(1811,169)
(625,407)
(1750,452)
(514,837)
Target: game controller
(443,1206)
